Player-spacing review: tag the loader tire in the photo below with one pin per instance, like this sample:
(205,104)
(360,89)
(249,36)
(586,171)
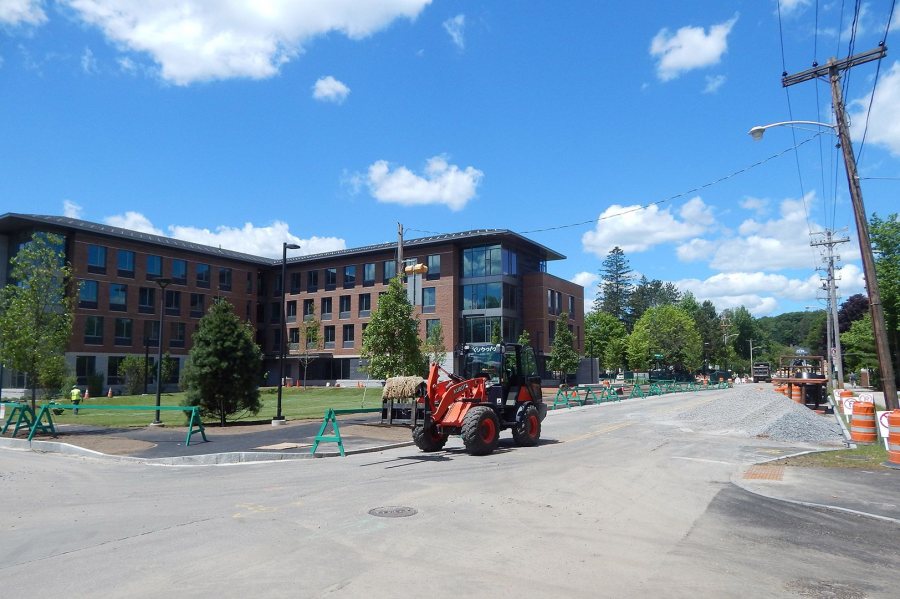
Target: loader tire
(528,432)
(480,430)
(427,438)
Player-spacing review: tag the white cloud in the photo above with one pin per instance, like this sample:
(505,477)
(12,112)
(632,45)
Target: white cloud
(126,64)
(589,281)
(22,12)
(134,221)
(789,7)
(695,250)
(637,230)
(884,120)
(71,209)
(329,89)
(713,83)
(689,48)
(88,62)
(442,183)
(249,239)
(758,205)
(201,40)
(455,27)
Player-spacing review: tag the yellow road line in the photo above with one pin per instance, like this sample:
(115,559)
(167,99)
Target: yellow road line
(602,431)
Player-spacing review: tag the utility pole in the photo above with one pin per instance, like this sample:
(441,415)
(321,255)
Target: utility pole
(399,265)
(832,70)
(834,330)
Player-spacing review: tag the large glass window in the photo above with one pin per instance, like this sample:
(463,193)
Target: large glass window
(309,310)
(390,271)
(179,272)
(312,281)
(295,282)
(203,276)
(93,330)
(151,333)
(330,278)
(349,276)
(96,259)
(480,329)
(488,261)
(431,324)
(482,296)
(291,314)
(344,306)
(85,366)
(329,336)
(509,297)
(176,334)
(113,377)
(198,305)
(349,335)
(173,302)
(428,300)
(125,263)
(434,266)
(365,304)
(87,294)
(369,274)
(123,331)
(326,308)
(154,267)
(118,297)
(554,302)
(147,300)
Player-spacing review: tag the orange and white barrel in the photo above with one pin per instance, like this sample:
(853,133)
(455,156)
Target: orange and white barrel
(862,425)
(893,419)
(797,393)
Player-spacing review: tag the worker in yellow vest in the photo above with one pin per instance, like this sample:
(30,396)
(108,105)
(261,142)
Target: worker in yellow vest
(76,398)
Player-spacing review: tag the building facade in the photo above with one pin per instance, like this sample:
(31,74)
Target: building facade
(477,283)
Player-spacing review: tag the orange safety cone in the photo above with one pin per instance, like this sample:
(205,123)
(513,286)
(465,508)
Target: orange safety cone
(110,393)
(87,394)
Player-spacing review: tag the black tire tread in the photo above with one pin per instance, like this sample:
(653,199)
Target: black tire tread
(475,445)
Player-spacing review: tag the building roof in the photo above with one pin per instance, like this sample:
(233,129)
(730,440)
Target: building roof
(12,221)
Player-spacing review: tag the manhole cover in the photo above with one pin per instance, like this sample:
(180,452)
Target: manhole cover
(394,511)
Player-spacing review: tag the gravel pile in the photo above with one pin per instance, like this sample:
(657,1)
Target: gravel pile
(757,411)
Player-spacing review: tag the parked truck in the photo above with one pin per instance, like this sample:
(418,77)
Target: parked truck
(762,371)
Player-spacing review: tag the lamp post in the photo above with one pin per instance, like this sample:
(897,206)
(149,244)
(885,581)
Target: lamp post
(279,417)
(862,232)
(163,283)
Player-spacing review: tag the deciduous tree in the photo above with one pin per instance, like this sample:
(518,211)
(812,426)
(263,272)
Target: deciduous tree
(391,343)
(563,357)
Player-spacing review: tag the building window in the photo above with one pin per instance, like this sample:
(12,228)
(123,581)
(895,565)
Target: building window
(365,304)
(434,266)
(368,274)
(510,293)
(179,272)
(349,277)
(294,336)
(198,305)
(125,263)
(112,370)
(552,336)
(85,366)
(93,330)
(330,278)
(349,336)
(276,290)
(428,301)
(480,329)
(154,267)
(123,331)
(431,324)
(329,337)
(309,310)
(203,276)
(151,333)
(326,308)
(312,281)
(295,282)
(96,259)
(225,279)
(390,271)
(344,306)
(291,312)
(173,303)
(87,294)
(554,302)
(482,296)
(275,312)
(488,261)
(118,297)
(249,281)
(176,334)
(571,306)
(147,300)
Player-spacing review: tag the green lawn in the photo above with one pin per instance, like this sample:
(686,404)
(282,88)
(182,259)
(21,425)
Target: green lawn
(296,404)
(864,456)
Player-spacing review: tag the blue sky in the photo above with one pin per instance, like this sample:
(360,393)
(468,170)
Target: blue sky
(327,122)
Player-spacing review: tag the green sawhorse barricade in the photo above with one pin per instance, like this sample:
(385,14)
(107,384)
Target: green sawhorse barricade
(21,413)
(44,420)
(331,418)
(565,396)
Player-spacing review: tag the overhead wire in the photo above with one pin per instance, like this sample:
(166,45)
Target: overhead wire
(887,28)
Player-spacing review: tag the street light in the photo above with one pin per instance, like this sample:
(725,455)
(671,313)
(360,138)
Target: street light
(757,132)
(879,330)
(279,417)
(415,270)
(163,283)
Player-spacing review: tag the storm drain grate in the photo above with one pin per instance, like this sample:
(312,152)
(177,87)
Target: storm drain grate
(394,511)
(763,472)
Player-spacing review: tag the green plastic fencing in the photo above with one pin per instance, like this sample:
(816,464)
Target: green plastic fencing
(331,418)
(44,420)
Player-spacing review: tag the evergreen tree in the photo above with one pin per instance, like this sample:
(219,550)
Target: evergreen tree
(563,357)
(391,344)
(602,331)
(615,285)
(223,371)
(36,312)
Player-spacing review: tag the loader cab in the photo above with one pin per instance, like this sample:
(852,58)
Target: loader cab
(510,369)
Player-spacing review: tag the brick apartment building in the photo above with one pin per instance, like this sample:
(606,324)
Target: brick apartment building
(476,280)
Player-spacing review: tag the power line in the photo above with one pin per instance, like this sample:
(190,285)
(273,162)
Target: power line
(887,28)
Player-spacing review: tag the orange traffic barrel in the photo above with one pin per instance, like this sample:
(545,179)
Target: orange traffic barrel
(862,425)
(797,393)
(893,419)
